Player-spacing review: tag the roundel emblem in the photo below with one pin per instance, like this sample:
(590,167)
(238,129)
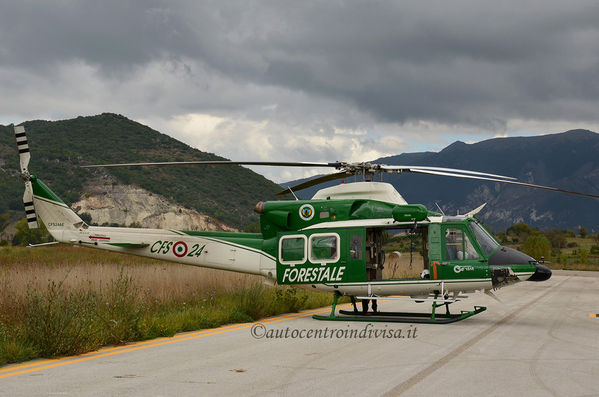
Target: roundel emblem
(180,249)
(306,212)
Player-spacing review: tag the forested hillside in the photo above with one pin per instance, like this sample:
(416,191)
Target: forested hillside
(227,193)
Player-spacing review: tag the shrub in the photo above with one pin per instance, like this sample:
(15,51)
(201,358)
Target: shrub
(288,300)
(252,301)
(61,322)
(537,246)
(13,345)
(120,310)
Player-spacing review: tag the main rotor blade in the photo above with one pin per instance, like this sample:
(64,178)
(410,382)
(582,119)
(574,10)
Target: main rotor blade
(222,162)
(348,169)
(553,189)
(316,181)
(409,168)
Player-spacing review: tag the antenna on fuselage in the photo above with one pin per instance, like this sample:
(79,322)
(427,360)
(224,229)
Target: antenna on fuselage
(440,209)
(291,191)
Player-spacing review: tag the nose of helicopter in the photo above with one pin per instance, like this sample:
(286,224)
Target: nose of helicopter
(509,256)
(541,274)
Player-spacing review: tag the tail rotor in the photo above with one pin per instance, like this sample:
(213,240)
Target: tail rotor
(24,157)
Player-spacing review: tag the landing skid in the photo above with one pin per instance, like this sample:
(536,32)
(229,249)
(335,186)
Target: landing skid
(399,317)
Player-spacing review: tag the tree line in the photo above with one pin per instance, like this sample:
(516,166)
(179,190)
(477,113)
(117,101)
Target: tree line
(555,243)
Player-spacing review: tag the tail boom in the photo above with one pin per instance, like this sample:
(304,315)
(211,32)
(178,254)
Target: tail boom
(242,253)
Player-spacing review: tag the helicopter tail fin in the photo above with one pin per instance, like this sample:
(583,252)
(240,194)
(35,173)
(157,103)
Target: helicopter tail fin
(56,215)
(41,202)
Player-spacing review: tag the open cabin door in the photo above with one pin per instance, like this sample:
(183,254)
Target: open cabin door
(405,252)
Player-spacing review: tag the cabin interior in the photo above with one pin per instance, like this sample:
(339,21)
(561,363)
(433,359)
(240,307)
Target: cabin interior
(398,253)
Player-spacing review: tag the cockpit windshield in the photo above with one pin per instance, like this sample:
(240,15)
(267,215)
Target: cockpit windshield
(485,240)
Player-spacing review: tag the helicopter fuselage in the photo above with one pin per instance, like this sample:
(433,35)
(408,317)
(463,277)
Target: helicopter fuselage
(333,243)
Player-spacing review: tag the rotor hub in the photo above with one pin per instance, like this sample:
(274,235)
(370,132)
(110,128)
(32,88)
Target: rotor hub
(25,175)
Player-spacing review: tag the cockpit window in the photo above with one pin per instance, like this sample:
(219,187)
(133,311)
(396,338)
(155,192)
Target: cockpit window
(458,246)
(485,240)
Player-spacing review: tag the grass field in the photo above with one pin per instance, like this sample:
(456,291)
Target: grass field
(64,300)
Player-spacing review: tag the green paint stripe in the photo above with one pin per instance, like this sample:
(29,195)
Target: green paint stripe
(129,245)
(255,236)
(254,250)
(40,189)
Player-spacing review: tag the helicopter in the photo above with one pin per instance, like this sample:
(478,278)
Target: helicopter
(332,242)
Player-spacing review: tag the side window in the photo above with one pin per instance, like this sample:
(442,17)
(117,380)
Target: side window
(324,248)
(458,246)
(293,249)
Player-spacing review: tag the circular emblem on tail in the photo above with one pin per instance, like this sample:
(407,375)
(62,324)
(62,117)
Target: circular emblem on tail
(306,212)
(180,249)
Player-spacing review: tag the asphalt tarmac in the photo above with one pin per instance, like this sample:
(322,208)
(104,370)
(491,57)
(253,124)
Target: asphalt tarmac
(541,340)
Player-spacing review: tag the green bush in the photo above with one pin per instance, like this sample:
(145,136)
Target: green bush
(13,345)
(537,246)
(61,322)
(120,310)
(288,300)
(253,301)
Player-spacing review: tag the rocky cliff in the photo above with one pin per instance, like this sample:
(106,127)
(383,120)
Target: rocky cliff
(109,203)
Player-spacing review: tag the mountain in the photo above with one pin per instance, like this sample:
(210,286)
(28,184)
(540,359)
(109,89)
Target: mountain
(58,148)
(569,160)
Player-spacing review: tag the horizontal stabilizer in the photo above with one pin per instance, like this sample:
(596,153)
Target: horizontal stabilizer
(43,244)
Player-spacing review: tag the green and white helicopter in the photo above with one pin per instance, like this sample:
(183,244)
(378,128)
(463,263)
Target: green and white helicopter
(332,242)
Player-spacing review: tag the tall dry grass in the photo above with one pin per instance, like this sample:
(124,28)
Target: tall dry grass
(63,300)
(82,268)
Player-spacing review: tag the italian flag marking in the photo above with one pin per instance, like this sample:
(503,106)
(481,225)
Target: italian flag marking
(180,249)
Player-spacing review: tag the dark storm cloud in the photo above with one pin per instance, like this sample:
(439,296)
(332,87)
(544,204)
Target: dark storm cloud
(452,62)
(470,63)
(38,34)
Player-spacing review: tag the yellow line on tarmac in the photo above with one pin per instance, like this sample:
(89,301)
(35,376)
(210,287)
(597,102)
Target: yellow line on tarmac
(105,350)
(111,351)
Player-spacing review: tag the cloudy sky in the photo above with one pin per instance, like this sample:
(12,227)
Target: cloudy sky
(304,80)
